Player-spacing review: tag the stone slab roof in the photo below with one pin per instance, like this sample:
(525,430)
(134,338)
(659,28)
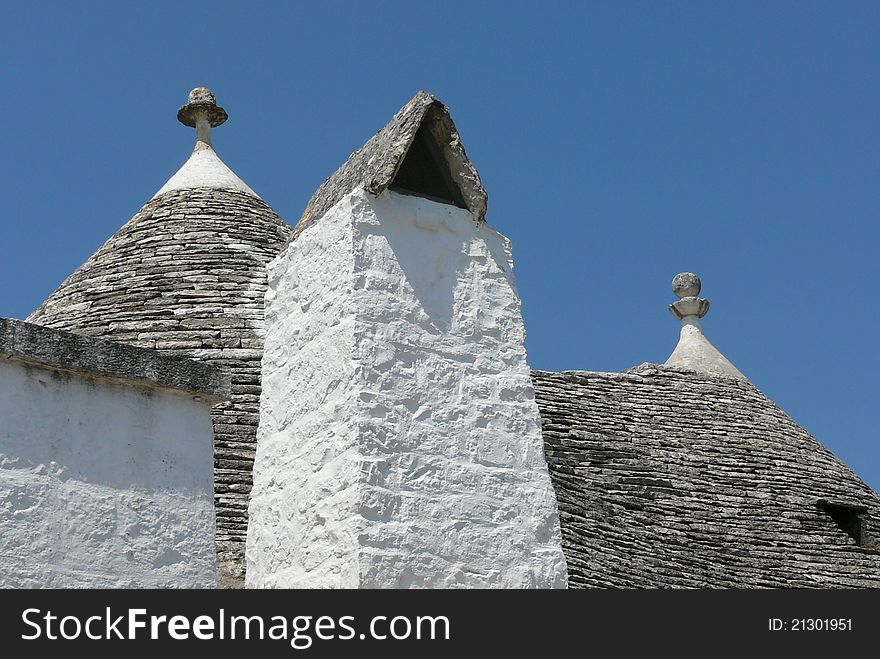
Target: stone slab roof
(66,351)
(376,163)
(667,477)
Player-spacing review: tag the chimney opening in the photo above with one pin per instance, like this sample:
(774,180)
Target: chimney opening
(425,173)
(848,518)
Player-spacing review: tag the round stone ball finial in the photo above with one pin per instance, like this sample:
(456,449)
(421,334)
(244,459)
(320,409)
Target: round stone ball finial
(202,99)
(686,284)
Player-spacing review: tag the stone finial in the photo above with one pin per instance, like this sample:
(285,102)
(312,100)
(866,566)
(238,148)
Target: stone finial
(202,113)
(686,285)
(204,169)
(201,101)
(694,351)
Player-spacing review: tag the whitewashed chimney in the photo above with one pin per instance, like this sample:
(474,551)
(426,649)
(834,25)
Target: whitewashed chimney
(399,442)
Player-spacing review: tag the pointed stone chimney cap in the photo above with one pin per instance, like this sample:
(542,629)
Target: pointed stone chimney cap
(202,100)
(694,351)
(376,165)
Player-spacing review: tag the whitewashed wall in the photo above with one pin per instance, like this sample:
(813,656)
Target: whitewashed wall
(102,484)
(399,441)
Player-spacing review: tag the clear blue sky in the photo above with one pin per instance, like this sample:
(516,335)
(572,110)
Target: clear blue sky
(620,142)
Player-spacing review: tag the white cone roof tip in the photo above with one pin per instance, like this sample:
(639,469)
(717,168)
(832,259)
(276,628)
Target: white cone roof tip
(694,351)
(204,169)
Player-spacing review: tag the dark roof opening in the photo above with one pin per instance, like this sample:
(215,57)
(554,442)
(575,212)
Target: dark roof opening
(424,171)
(849,519)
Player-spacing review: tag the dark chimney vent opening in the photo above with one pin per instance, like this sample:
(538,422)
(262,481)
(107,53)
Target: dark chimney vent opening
(425,173)
(848,518)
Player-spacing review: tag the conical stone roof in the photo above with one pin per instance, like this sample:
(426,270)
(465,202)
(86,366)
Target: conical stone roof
(187,276)
(685,475)
(668,477)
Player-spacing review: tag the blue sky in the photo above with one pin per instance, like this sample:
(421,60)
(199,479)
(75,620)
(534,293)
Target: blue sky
(620,142)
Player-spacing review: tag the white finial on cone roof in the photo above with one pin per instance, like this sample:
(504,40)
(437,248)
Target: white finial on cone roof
(694,350)
(204,169)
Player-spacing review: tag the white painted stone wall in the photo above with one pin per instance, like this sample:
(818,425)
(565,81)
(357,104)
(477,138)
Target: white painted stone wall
(399,441)
(102,484)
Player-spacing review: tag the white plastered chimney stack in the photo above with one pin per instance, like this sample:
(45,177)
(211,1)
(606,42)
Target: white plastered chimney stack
(399,443)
